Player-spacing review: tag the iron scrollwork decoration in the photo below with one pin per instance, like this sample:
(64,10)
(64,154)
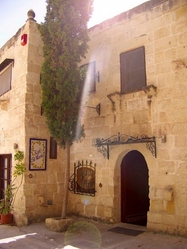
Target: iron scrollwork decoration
(83,179)
(104,144)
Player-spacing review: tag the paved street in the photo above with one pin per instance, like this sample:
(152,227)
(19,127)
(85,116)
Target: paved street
(86,234)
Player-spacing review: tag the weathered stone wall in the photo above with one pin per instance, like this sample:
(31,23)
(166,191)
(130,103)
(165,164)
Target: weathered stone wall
(21,120)
(12,111)
(40,186)
(160,26)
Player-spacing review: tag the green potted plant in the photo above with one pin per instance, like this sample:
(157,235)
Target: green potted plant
(6,204)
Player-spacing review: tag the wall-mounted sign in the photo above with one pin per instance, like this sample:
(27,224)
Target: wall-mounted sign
(37,154)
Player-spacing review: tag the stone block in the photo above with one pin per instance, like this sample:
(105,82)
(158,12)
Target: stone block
(156,205)
(162,32)
(165,180)
(100,211)
(169,206)
(182,169)
(142,116)
(107,201)
(110,190)
(108,212)
(163,67)
(170,54)
(163,117)
(162,20)
(168,219)
(154,217)
(179,153)
(166,43)
(179,128)
(156,193)
(90,210)
(180,13)
(163,154)
(181,49)
(166,167)
(159,56)
(168,193)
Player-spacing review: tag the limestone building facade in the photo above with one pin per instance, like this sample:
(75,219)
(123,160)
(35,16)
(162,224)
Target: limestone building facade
(20,120)
(140,57)
(132,164)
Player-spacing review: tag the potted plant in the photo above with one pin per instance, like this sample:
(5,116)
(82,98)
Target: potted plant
(6,204)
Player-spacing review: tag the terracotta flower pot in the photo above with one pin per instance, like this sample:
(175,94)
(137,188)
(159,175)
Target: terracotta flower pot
(6,218)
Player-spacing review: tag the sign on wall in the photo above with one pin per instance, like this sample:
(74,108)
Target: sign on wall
(37,154)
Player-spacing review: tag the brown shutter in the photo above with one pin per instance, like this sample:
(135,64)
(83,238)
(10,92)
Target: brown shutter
(132,69)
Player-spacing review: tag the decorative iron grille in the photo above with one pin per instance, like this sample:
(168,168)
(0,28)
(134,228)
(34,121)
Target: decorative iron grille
(104,144)
(83,179)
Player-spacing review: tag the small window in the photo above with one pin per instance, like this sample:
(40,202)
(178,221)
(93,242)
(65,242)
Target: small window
(5,76)
(53,149)
(86,180)
(82,182)
(90,76)
(132,69)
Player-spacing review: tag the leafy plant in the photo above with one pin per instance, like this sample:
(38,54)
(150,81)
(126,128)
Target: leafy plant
(6,204)
(19,167)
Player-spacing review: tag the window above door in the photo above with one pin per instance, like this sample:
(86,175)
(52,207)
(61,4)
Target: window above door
(133,70)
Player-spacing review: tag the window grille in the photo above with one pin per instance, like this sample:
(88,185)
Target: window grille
(83,179)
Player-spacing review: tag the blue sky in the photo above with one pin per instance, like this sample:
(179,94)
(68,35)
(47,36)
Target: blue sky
(13,13)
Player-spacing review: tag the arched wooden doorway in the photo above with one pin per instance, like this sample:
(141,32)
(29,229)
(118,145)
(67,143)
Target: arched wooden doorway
(134,189)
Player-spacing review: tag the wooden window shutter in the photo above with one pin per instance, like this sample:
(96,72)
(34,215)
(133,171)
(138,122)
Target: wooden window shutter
(132,70)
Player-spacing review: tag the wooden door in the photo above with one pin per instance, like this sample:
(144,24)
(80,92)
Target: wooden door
(134,189)
(5,172)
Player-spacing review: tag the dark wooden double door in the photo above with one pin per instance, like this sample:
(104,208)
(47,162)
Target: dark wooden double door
(134,189)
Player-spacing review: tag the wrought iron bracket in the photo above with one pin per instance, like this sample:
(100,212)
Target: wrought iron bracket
(97,108)
(103,145)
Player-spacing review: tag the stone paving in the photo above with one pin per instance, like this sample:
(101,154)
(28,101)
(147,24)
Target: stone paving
(85,234)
